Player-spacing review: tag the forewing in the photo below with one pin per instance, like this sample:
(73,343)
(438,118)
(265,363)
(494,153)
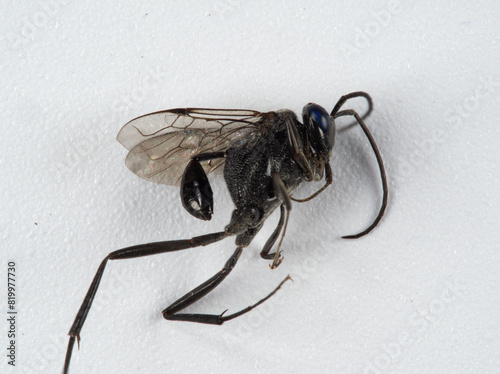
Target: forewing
(161,144)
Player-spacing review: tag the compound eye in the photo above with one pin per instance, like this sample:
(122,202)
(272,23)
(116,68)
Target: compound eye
(320,128)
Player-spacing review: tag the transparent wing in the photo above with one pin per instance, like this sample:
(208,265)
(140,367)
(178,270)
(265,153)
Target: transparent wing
(161,144)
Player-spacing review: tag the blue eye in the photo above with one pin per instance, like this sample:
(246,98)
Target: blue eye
(320,128)
(321,118)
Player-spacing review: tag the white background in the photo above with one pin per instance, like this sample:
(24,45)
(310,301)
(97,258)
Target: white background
(419,294)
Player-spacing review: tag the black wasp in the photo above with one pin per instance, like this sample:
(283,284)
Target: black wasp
(266,156)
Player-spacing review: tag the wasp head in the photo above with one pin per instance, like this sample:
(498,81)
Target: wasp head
(320,131)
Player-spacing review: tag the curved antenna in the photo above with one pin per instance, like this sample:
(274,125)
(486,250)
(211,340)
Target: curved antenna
(350,112)
(349,96)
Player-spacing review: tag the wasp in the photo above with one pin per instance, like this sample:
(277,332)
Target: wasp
(265,157)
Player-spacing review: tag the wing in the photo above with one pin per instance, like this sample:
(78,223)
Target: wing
(161,144)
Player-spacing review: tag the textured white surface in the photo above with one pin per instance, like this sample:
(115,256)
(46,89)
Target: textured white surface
(419,294)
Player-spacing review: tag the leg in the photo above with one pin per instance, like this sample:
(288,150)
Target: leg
(328,181)
(351,112)
(297,148)
(274,236)
(202,290)
(130,252)
(282,195)
(199,292)
(249,308)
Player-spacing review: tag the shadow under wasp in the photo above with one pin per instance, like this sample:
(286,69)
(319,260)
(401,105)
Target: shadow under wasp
(266,157)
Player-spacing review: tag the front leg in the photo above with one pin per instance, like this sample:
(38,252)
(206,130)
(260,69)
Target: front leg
(282,195)
(274,236)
